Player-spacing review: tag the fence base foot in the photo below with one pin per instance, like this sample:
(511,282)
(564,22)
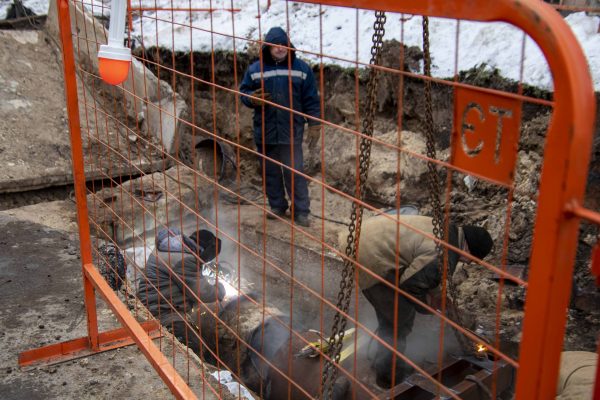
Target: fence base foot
(80,347)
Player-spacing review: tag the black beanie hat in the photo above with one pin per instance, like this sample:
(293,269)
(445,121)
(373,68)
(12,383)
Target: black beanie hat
(479,240)
(208,245)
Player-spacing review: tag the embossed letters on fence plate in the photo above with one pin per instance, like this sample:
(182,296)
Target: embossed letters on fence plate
(485,134)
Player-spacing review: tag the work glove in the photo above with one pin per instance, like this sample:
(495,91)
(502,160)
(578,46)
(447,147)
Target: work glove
(259,101)
(313,136)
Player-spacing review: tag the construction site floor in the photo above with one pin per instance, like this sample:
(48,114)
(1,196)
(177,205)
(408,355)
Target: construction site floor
(42,303)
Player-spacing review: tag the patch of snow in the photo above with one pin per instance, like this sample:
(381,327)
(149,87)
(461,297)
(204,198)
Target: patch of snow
(225,378)
(98,8)
(333,31)
(40,7)
(343,35)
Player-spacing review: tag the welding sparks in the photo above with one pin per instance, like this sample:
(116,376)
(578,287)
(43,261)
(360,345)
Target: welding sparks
(481,348)
(230,291)
(226,276)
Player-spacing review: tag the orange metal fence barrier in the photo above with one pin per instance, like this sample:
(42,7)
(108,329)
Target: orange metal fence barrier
(182,236)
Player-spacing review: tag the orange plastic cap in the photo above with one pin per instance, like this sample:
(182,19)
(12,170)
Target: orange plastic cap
(113,71)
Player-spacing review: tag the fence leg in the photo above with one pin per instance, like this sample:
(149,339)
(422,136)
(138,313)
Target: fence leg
(77,348)
(64,21)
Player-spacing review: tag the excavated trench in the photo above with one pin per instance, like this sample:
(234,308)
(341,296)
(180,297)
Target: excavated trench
(477,203)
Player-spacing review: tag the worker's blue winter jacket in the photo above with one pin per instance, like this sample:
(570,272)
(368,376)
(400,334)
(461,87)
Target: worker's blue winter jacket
(276,76)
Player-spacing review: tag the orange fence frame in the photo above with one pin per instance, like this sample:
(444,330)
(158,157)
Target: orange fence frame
(562,186)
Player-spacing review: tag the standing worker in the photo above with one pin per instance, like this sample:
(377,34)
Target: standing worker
(388,247)
(289,82)
(173,280)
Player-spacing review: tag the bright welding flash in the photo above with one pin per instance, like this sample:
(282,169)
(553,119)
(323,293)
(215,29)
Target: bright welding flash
(114,59)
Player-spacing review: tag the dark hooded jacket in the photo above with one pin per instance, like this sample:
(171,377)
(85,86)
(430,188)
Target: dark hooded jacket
(276,77)
(173,275)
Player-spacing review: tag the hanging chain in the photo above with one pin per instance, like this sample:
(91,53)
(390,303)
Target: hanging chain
(343,299)
(432,176)
(435,186)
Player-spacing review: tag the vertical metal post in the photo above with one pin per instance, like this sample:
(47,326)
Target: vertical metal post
(596,394)
(64,22)
(129,18)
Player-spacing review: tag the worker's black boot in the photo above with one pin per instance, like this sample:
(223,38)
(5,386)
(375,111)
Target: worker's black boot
(277,212)
(302,220)
(383,379)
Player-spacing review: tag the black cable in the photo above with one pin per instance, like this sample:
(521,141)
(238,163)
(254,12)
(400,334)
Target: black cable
(480,385)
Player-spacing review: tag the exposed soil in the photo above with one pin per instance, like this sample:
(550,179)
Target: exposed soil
(34,137)
(477,203)
(34,149)
(21,199)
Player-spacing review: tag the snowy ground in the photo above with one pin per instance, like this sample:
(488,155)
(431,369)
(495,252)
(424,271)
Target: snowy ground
(344,35)
(37,6)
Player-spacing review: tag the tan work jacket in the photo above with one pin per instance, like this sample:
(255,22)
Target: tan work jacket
(577,375)
(383,237)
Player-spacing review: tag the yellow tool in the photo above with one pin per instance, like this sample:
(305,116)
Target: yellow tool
(314,349)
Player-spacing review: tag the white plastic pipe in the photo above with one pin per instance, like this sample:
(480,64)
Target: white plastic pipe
(114,58)
(116,29)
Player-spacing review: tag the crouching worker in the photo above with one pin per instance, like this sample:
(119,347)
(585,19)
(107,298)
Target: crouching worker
(257,346)
(388,248)
(577,375)
(173,280)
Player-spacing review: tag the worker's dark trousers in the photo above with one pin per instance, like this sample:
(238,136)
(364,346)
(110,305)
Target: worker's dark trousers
(381,298)
(279,180)
(185,335)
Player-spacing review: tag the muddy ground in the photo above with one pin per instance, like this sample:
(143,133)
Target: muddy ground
(43,304)
(34,134)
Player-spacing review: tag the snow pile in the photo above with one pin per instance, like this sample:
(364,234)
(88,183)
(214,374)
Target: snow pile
(343,35)
(39,7)
(498,45)
(225,377)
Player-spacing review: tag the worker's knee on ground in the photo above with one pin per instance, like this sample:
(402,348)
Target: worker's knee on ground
(577,375)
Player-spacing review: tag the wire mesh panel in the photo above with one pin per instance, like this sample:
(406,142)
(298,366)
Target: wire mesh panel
(569,6)
(316,200)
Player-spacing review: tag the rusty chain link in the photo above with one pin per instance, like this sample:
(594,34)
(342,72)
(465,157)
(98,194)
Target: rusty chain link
(432,176)
(338,328)
(435,187)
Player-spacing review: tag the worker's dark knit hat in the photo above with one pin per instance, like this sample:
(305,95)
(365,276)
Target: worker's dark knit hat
(208,245)
(479,240)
